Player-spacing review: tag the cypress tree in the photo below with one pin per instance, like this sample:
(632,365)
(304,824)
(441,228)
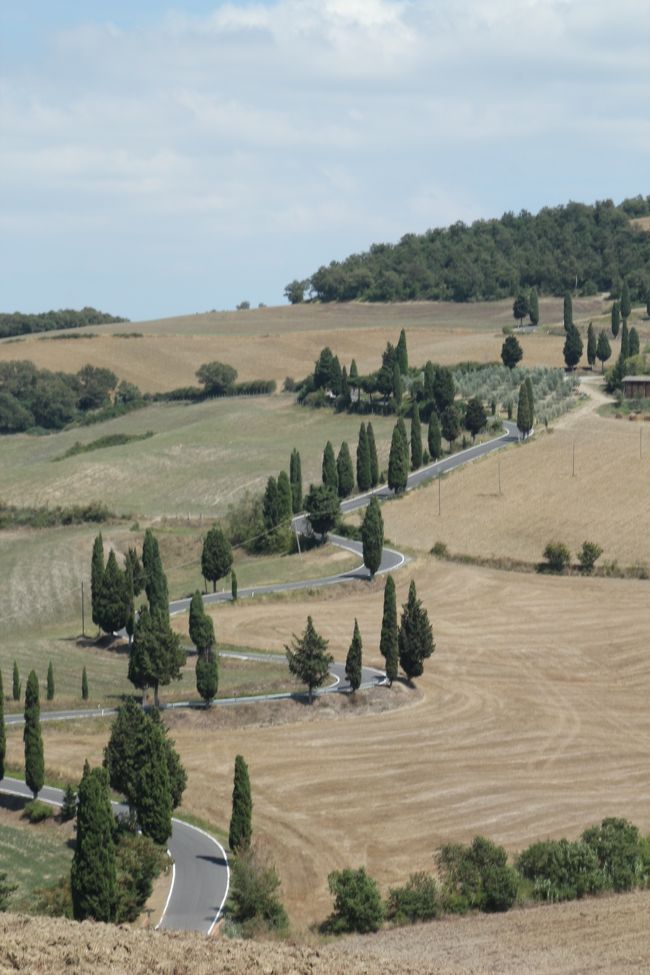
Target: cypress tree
(345,471)
(534,307)
(531,400)
(388,640)
(345,387)
(330,474)
(271,505)
(3,732)
(295,479)
(397,383)
(308,658)
(201,628)
(415,638)
(113,605)
(69,804)
(32,738)
(568,310)
(401,353)
(397,462)
(434,437)
(156,656)
(216,556)
(625,341)
(155,580)
(50,681)
(429,381)
(353,661)
(122,754)
(16,685)
(374,461)
(84,685)
(233,585)
(354,372)
(572,347)
(520,307)
(93,876)
(153,800)
(603,349)
(363,460)
(416,438)
(444,388)
(591,345)
(241,827)
(634,346)
(96,576)
(372,536)
(285,500)
(626,304)
(450,424)
(524,420)
(616,318)
(207,675)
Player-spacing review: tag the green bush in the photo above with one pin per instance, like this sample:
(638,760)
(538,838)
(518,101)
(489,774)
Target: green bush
(37,811)
(416,901)
(254,900)
(477,877)
(588,556)
(558,557)
(69,806)
(620,852)
(139,861)
(357,902)
(55,900)
(440,550)
(560,870)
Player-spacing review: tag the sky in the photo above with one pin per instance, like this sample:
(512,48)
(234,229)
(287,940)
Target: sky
(160,159)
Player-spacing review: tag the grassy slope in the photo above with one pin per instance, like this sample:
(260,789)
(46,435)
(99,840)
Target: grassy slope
(32,857)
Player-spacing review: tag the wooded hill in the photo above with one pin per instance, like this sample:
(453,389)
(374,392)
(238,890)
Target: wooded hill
(587,249)
(19,323)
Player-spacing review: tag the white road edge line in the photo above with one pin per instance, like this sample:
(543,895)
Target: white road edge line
(171,891)
(225,858)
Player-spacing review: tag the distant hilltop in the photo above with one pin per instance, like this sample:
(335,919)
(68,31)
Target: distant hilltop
(18,323)
(587,249)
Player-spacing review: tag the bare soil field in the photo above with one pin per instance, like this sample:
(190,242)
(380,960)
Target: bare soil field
(531,721)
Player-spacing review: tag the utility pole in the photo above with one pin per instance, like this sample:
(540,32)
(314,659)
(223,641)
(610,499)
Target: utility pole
(573,469)
(83,611)
(439,495)
(499,475)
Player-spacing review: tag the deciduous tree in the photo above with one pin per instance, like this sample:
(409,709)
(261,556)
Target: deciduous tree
(217,378)
(520,307)
(216,557)
(308,658)
(511,351)
(475,418)
(450,424)
(603,349)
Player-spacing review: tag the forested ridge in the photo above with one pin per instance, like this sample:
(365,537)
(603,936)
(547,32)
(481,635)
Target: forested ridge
(19,323)
(584,248)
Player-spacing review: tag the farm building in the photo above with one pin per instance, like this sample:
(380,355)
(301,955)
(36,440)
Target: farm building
(636,387)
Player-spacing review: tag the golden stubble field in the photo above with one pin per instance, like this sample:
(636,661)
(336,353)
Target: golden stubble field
(531,721)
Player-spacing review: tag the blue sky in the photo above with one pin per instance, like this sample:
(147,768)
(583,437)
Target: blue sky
(161,159)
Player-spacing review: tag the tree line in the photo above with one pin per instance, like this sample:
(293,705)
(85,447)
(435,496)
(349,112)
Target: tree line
(587,248)
(20,323)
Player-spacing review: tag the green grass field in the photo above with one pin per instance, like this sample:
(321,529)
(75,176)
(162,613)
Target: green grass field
(32,858)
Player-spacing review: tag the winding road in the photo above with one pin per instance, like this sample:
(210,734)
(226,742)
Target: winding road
(198,890)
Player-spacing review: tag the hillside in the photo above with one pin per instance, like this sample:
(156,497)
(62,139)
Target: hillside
(579,247)
(603,935)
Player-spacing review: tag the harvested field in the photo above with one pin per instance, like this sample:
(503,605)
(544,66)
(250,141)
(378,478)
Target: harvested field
(531,721)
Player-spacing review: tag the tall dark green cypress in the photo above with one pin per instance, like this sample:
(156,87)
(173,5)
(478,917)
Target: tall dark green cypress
(625,341)
(93,877)
(434,437)
(524,419)
(626,304)
(353,661)
(415,638)
(398,466)
(568,310)
(616,318)
(32,738)
(50,681)
(534,307)
(372,536)
(416,439)
(429,381)
(113,605)
(285,500)
(397,383)
(241,827)
(531,400)
(572,347)
(363,460)
(330,474)
(388,639)
(345,471)
(155,579)
(201,628)
(207,675)
(84,685)
(16,685)
(591,345)
(153,799)
(3,732)
(401,353)
(634,345)
(295,479)
(374,461)
(96,576)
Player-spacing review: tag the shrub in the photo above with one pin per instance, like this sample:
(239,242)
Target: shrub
(69,806)
(560,870)
(477,877)
(557,556)
(254,893)
(587,557)
(357,902)
(55,900)
(440,550)
(620,853)
(37,811)
(139,861)
(416,901)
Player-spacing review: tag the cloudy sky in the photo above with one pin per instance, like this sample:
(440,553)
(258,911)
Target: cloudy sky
(158,159)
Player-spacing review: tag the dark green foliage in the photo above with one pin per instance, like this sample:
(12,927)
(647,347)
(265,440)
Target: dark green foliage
(16,683)
(345,472)
(475,418)
(568,310)
(84,685)
(415,637)
(560,870)
(614,380)
(49,517)
(233,585)
(217,378)
(603,349)
(96,576)
(50,681)
(434,437)
(254,894)
(207,675)
(69,806)
(625,341)
(572,347)
(322,507)
(388,643)
(398,460)
(591,345)
(557,556)
(308,658)
(353,661)
(397,383)
(363,460)
(134,572)
(511,351)
(216,557)
(617,846)
(415,902)
(37,811)
(285,500)
(156,655)
(634,346)
(625,304)
(138,862)
(524,418)
(32,738)
(531,399)
(374,462)
(3,730)
(477,877)
(330,474)
(372,536)
(295,479)
(450,424)
(93,875)
(327,372)
(241,825)
(121,754)
(429,380)
(6,889)
(153,800)
(155,579)
(616,318)
(113,604)
(20,323)
(401,353)
(110,440)
(588,556)
(295,291)
(444,389)
(201,628)
(357,902)
(416,439)
(534,307)
(520,307)
(175,770)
